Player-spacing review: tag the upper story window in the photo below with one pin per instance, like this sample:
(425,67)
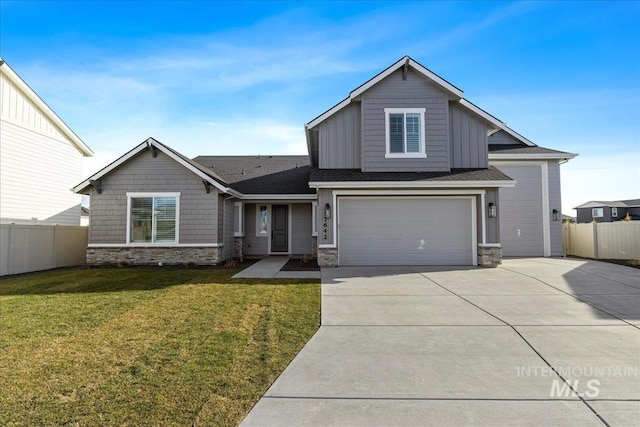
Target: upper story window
(404,132)
(597,212)
(614,212)
(153,218)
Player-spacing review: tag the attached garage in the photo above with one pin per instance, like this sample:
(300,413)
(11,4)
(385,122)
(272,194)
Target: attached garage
(406,231)
(521,212)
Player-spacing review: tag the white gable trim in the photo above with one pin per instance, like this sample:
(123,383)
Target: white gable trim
(146,145)
(47,111)
(381,76)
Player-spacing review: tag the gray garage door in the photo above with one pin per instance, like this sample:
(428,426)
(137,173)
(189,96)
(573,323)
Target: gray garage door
(404,231)
(520,211)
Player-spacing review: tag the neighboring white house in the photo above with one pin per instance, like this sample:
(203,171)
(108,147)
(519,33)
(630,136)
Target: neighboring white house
(40,158)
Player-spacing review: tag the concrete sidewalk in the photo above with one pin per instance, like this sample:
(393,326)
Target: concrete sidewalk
(269,268)
(447,346)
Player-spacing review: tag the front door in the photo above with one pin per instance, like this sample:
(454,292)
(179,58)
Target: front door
(280,228)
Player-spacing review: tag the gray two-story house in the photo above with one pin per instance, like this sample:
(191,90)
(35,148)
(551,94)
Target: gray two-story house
(403,171)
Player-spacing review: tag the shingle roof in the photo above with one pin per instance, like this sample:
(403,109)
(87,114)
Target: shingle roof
(261,174)
(610,203)
(336,175)
(521,149)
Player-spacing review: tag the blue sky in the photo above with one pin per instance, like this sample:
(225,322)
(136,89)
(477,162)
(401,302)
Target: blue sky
(244,77)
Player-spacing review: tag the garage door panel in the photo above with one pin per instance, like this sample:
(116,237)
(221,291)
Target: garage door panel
(396,231)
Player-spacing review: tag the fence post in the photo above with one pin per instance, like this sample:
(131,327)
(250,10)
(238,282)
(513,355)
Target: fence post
(55,246)
(595,239)
(9,269)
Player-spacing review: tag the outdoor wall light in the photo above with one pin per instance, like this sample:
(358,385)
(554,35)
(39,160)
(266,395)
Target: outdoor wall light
(555,214)
(327,211)
(493,210)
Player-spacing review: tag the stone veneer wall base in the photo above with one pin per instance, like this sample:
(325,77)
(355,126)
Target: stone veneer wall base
(489,255)
(144,255)
(327,257)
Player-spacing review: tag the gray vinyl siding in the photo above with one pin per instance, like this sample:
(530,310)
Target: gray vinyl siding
(340,139)
(520,212)
(555,227)
(144,173)
(501,137)
(414,92)
(493,227)
(469,147)
(301,242)
(228,228)
(253,245)
(221,218)
(585,215)
(324,196)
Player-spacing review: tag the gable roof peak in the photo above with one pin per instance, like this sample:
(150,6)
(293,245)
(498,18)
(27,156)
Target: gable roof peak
(51,115)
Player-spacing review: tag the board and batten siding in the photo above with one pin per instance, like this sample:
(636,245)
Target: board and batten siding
(144,173)
(228,228)
(469,147)
(414,92)
(555,202)
(301,242)
(253,245)
(38,164)
(340,139)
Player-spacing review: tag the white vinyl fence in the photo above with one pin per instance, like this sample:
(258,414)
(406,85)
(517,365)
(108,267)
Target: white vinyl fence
(603,240)
(30,247)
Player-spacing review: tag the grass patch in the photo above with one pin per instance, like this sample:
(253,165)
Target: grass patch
(146,346)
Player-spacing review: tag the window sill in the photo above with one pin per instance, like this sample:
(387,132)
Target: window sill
(405,156)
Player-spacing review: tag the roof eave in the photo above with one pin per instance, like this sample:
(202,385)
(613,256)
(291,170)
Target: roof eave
(540,156)
(412,184)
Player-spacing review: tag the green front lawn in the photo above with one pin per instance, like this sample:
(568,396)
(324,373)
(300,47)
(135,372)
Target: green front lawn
(146,346)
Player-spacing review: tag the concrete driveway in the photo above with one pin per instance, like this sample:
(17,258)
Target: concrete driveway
(533,342)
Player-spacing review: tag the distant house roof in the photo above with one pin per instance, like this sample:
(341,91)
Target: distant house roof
(15,79)
(457,177)
(262,174)
(497,151)
(630,203)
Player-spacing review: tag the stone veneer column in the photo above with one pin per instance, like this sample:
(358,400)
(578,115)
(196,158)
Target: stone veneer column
(238,248)
(314,246)
(327,257)
(489,254)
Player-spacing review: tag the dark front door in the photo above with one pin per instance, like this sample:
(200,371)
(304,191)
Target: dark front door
(280,228)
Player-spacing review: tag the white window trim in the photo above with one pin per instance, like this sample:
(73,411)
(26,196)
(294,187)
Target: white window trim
(314,219)
(389,154)
(268,233)
(595,210)
(240,232)
(614,212)
(154,195)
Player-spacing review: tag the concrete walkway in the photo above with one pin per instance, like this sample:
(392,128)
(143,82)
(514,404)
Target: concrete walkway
(269,268)
(468,346)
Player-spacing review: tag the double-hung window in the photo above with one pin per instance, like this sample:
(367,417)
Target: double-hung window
(153,218)
(597,212)
(404,132)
